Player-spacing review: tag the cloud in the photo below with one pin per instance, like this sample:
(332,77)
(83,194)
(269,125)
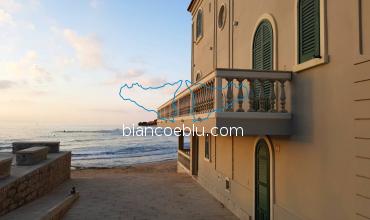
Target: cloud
(134,75)
(6,84)
(87,49)
(40,74)
(108,110)
(10,5)
(6,18)
(140,95)
(120,77)
(27,68)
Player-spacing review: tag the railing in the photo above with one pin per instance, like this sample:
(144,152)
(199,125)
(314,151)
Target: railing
(184,158)
(184,105)
(204,97)
(232,90)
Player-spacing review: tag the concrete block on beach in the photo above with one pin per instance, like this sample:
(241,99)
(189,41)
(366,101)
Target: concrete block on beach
(5,164)
(52,145)
(31,156)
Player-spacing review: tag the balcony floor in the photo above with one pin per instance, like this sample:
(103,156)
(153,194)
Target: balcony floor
(253,123)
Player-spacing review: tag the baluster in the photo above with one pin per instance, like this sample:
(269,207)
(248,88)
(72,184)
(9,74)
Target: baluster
(251,96)
(199,100)
(189,105)
(213,96)
(196,101)
(272,97)
(229,95)
(224,102)
(282,97)
(240,96)
(261,97)
(203,97)
(192,102)
(210,92)
(209,97)
(206,97)
(177,107)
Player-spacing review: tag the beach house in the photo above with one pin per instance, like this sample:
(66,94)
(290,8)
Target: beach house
(295,75)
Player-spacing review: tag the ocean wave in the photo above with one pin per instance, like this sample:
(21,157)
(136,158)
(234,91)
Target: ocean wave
(101,146)
(125,156)
(90,131)
(128,151)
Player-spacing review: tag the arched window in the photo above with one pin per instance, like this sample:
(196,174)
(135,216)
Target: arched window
(221,20)
(199,28)
(263,44)
(197,78)
(308,30)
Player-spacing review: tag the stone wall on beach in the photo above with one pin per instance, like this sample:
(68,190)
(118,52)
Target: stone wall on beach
(35,183)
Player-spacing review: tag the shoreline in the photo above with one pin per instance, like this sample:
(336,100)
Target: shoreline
(154,163)
(151,168)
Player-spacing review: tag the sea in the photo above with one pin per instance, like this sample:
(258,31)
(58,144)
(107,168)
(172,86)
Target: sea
(96,146)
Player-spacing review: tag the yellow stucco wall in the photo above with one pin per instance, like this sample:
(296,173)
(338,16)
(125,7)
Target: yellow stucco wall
(322,171)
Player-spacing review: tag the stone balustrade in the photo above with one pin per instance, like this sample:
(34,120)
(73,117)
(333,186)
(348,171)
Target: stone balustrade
(231,90)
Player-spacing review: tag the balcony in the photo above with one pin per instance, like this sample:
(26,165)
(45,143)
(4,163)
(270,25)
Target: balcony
(254,100)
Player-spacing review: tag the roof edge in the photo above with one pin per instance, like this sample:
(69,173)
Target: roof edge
(191,5)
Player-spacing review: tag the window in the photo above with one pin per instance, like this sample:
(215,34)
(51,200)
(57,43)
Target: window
(221,17)
(197,78)
(263,58)
(207,147)
(308,30)
(199,28)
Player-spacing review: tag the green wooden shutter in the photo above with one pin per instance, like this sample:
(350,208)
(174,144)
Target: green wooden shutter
(263,57)
(262,186)
(309,29)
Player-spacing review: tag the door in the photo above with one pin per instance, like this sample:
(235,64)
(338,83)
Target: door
(262,181)
(263,60)
(195,155)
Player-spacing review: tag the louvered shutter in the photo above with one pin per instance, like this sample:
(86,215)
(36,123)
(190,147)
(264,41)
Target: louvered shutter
(309,29)
(262,186)
(263,58)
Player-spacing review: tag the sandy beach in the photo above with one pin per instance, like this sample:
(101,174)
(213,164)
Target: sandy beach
(144,191)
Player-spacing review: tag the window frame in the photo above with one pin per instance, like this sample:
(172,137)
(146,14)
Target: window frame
(224,17)
(324,57)
(200,36)
(198,76)
(207,139)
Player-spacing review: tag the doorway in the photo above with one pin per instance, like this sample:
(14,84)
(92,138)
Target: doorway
(194,155)
(262,181)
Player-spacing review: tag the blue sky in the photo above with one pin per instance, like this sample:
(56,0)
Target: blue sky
(64,61)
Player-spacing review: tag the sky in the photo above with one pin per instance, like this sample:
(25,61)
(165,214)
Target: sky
(63,62)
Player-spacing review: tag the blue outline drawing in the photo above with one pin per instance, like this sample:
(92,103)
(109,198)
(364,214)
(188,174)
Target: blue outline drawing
(188,84)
